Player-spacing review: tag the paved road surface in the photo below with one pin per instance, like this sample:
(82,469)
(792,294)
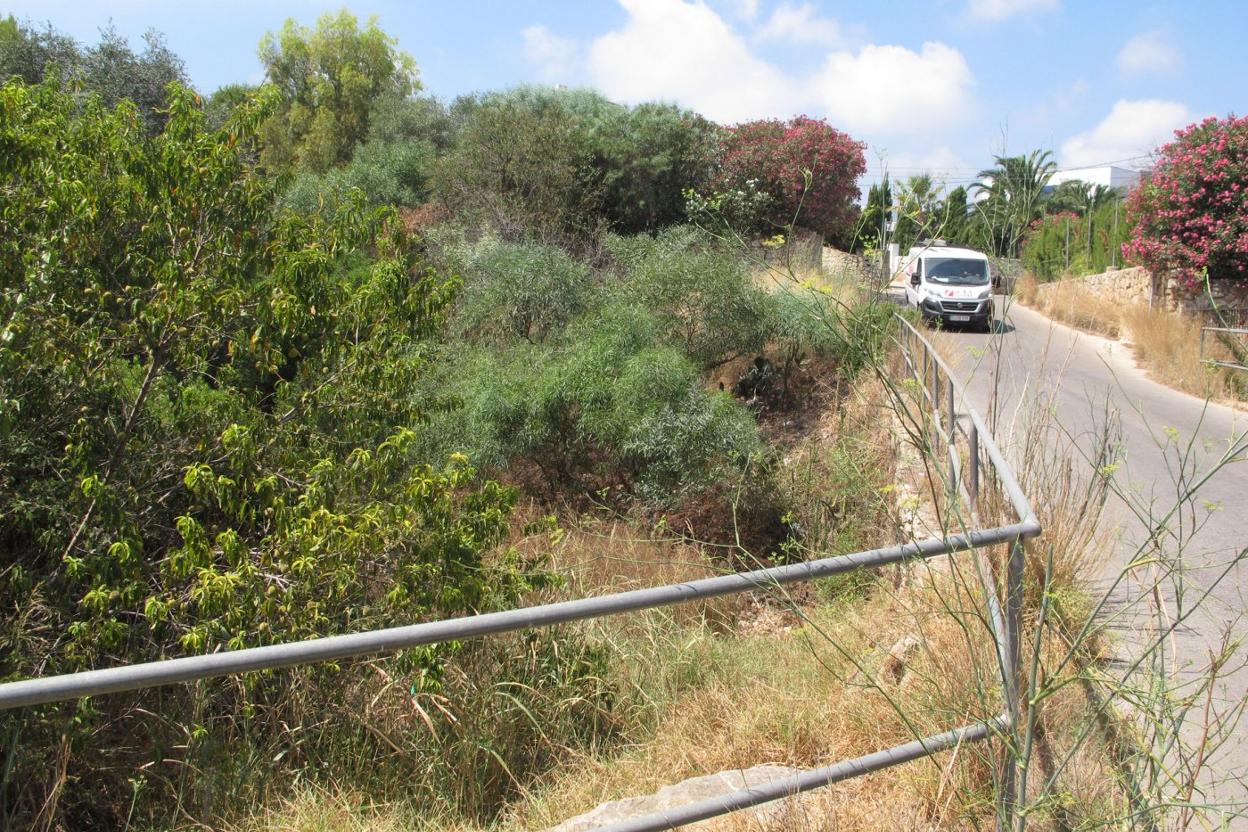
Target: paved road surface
(1093,377)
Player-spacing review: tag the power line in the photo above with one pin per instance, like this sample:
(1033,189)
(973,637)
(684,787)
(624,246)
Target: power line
(880,169)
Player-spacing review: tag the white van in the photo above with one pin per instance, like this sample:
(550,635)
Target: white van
(952,285)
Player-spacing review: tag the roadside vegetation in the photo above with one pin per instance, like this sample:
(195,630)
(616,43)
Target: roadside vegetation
(325,354)
(289,362)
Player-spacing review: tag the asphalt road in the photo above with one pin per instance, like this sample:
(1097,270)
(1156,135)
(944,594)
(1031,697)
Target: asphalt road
(1165,437)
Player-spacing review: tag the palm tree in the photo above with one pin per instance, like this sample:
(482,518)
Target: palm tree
(1013,195)
(1098,196)
(918,207)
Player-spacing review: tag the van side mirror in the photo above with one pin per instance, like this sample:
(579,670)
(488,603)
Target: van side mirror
(914,279)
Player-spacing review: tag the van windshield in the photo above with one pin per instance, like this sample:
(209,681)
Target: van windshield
(959,271)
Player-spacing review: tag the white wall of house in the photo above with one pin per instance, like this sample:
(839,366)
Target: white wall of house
(1110,176)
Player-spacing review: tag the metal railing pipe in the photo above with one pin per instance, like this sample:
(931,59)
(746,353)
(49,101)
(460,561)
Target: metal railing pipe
(1214,362)
(814,779)
(270,657)
(972,442)
(952,415)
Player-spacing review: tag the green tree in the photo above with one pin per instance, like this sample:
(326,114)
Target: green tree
(523,166)
(28,53)
(955,218)
(918,211)
(208,438)
(1011,198)
(625,168)
(110,69)
(647,157)
(219,105)
(330,79)
(113,70)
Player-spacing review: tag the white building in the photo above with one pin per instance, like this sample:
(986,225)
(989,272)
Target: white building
(1110,176)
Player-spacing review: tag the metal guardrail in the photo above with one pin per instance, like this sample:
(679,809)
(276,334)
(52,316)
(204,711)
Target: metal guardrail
(941,396)
(1234,365)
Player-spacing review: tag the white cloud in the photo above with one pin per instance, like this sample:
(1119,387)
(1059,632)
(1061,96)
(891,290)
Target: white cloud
(894,89)
(802,24)
(671,49)
(1001,9)
(747,9)
(554,56)
(683,50)
(1148,53)
(1132,128)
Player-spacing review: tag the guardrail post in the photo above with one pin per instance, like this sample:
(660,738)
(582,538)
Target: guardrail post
(953,417)
(972,441)
(1013,775)
(927,372)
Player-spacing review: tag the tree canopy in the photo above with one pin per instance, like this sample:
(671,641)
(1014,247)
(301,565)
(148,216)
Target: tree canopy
(1011,197)
(1190,215)
(808,168)
(330,79)
(109,69)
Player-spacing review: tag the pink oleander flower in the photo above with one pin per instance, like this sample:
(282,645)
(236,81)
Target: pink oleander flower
(1190,215)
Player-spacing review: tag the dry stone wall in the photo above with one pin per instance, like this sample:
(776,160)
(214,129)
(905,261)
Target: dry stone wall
(1137,285)
(1132,285)
(842,263)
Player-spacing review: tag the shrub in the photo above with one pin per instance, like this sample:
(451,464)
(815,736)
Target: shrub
(605,410)
(208,442)
(805,328)
(523,291)
(1190,214)
(705,296)
(808,168)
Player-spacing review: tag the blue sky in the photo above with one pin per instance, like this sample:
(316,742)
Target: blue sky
(938,86)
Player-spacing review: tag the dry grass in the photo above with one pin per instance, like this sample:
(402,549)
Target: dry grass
(826,690)
(1067,301)
(1166,344)
(845,683)
(334,810)
(805,684)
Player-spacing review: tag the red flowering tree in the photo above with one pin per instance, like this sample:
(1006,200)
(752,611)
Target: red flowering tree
(808,168)
(1191,214)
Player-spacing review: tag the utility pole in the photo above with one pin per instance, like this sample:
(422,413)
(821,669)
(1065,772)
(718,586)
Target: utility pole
(886,207)
(1113,241)
(1089,237)
(1067,245)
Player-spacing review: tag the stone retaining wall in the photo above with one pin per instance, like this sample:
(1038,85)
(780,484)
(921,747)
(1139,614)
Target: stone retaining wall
(1137,285)
(1132,285)
(842,263)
